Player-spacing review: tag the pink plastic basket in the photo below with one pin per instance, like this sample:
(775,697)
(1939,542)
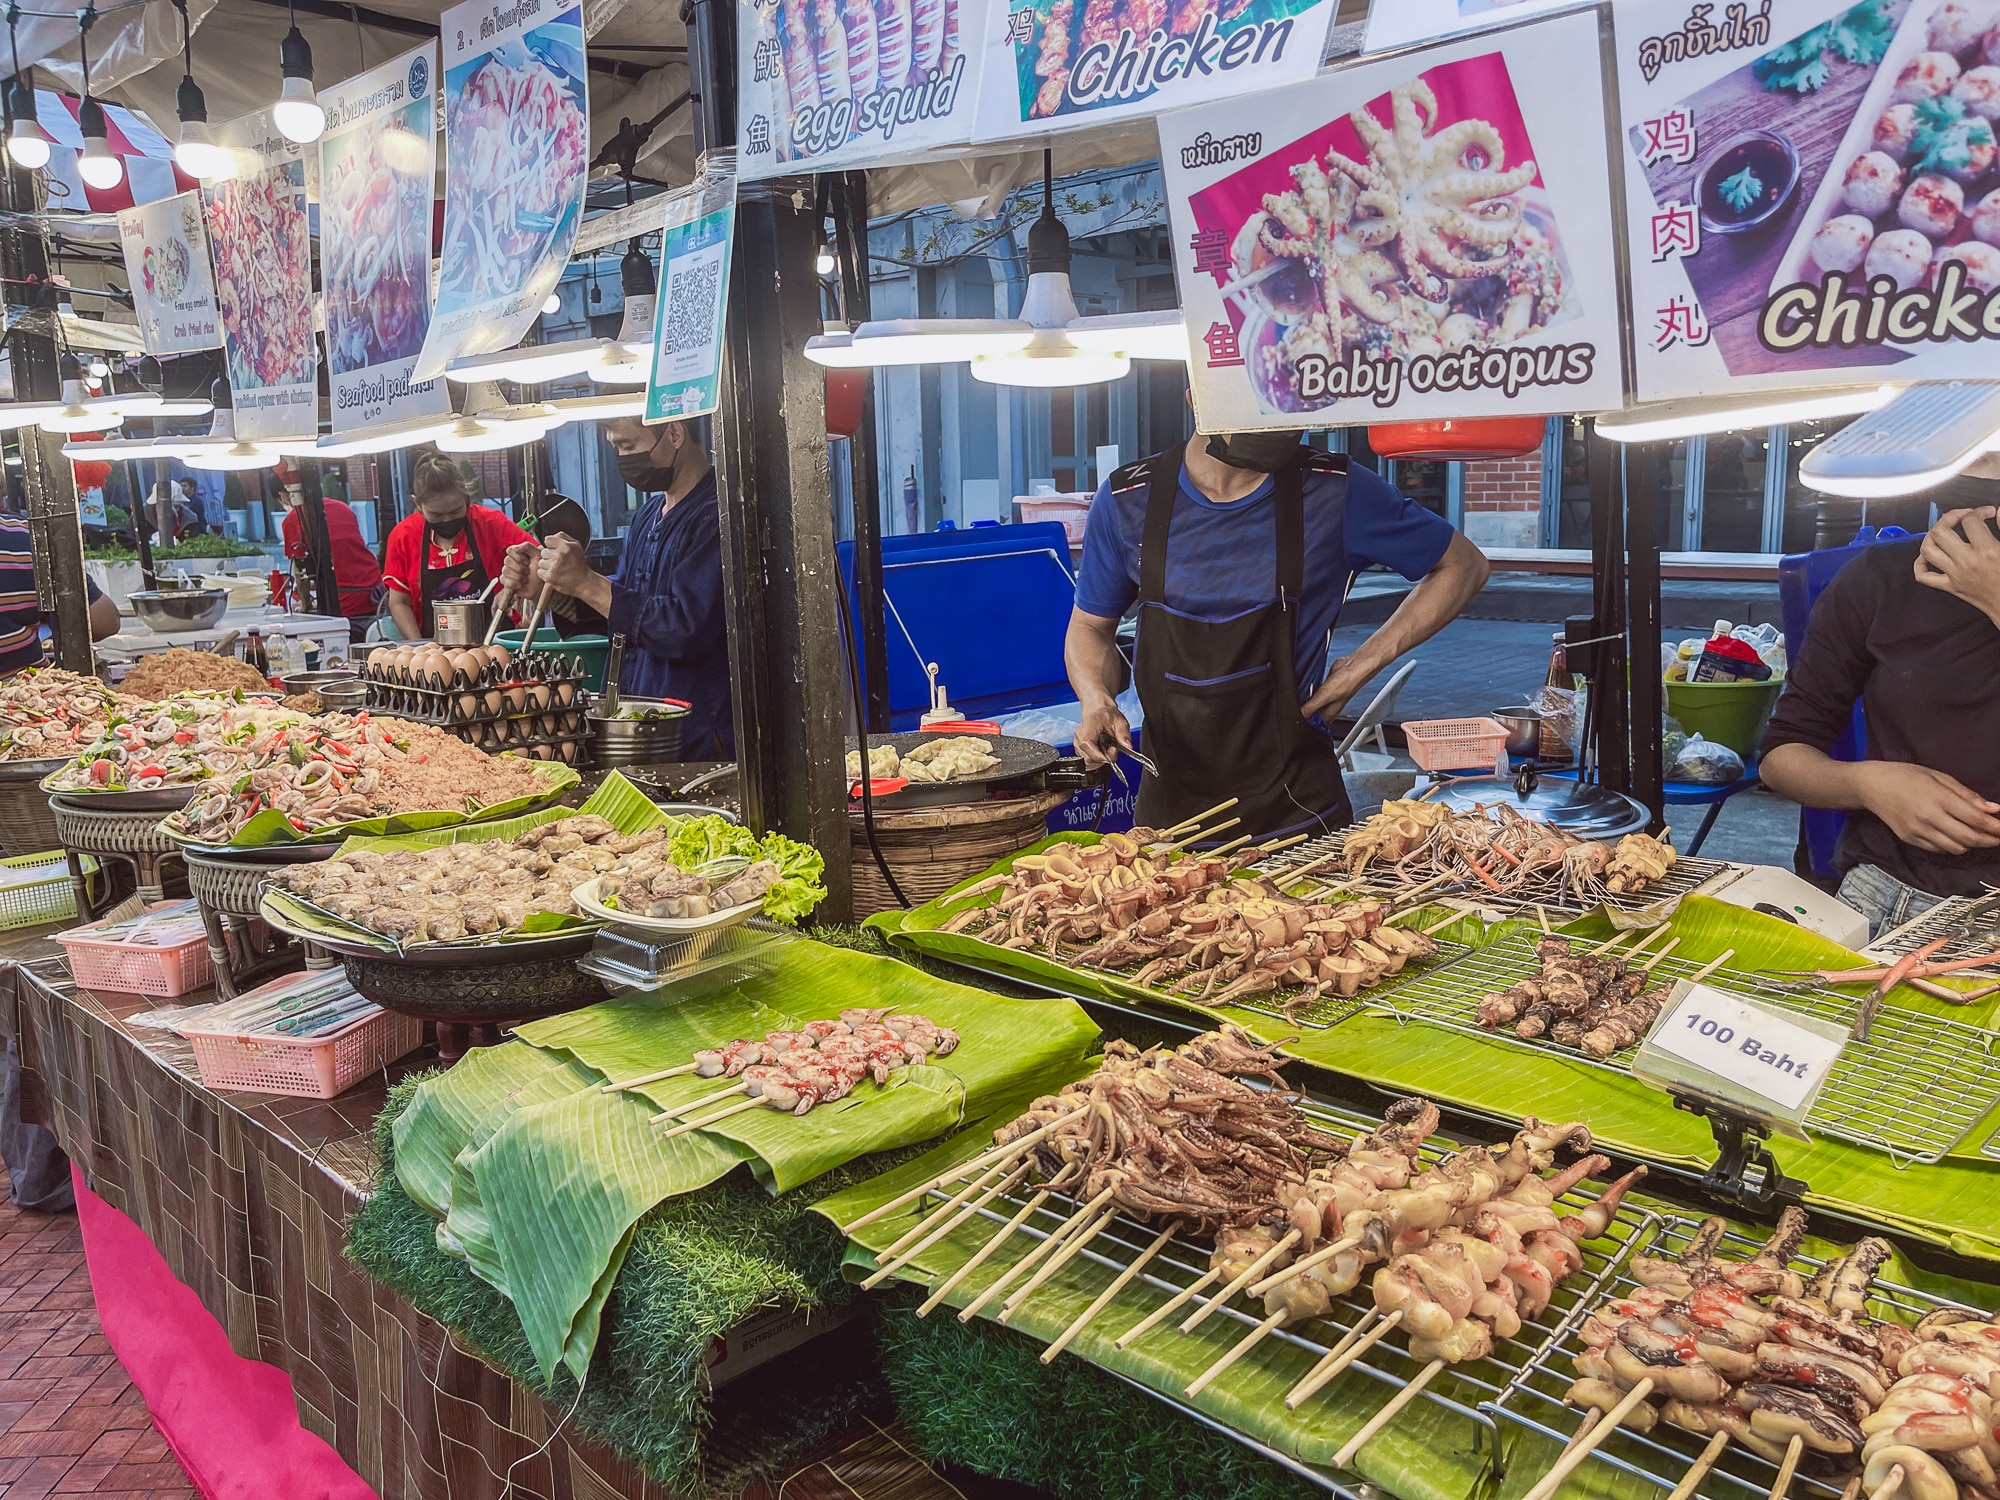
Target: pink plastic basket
(316,1067)
(1072,510)
(137,968)
(1455,744)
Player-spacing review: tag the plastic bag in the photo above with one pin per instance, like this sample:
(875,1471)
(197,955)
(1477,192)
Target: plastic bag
(1706,762)
(1562,715)
(1673,739)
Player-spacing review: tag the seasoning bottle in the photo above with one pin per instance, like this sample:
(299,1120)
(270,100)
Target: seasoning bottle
(253,653)
(1560,676)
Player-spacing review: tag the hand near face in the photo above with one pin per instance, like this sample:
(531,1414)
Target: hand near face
(1961,557)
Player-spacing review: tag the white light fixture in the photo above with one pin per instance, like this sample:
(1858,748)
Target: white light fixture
(931,341)
(297,114)
(196,152)
(99,365)
(628,360)
(1931,432)
(112,448)
(221,450)
(99,166)
(1138,335)
(835,349)
(601,408)
(27,146)
(553,306)
(74,413)
(824,262)
(489,423)
(384,437)
(1666,421)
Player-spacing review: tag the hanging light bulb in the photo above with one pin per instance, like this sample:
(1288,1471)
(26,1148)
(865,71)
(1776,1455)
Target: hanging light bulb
(99,166)
(628,359)
(74,414)
(297,113)
(825,262)
(99,365)
(553,306)
(27,146)
(196,153)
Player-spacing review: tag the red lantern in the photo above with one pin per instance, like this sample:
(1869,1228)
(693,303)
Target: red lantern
(1459,440)
(844,390)
(91,473)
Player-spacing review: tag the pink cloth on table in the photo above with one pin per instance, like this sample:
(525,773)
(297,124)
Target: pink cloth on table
(232,1422)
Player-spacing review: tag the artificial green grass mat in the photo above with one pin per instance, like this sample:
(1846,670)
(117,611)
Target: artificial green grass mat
(976,1395)
(699,1264)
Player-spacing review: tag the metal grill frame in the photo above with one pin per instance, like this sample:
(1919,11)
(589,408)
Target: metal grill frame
(1946,1067)
(1472,1390)
(1937,922)
(1534,1399)
(1689,876)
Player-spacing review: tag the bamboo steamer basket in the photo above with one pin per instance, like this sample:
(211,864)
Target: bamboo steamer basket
(932,849)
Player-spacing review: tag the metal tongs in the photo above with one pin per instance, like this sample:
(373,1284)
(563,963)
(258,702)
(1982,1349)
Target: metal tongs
(607,707)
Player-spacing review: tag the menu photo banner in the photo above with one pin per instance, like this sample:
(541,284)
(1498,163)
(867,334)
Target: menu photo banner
(166,263)
(1812,192)
(263,280)
(1424,236)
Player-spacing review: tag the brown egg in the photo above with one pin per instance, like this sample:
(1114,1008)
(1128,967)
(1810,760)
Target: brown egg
(565,694)
(501,654)
(490,703)
(468,662)
(468,705)
(538,695)
(545,726)
(516,698)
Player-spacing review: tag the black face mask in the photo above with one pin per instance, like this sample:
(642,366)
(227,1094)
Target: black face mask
(448,529)
(1265,452)
(645,476)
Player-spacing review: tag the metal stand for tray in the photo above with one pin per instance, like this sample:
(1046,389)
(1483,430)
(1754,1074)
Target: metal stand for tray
(134,838)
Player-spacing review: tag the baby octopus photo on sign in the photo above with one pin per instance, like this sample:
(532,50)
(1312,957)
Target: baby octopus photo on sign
(1417,224)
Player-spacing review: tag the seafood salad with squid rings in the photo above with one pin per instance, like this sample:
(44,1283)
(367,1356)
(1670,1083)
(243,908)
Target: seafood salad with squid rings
(519,146)
(47,713)
(375,230)
(181,741)
(262,289)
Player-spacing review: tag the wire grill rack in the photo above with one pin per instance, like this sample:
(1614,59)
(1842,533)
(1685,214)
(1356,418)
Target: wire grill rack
(1970,923)
(1550,892)
(1534,1398)
(1471,1390)
(1913,1089)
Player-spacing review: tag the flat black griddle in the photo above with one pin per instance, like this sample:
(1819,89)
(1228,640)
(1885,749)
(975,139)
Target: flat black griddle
(1025,765)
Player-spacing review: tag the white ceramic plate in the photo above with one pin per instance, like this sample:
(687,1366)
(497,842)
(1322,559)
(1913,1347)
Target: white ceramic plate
(585,897)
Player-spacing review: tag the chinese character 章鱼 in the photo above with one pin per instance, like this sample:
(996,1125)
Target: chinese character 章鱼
(1222,349)
(1211,253)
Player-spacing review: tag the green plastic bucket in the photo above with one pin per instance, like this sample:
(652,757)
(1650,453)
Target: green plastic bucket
(1725,713)
(594,649)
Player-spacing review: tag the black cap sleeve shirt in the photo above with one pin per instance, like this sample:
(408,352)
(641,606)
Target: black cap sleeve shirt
(1925,666)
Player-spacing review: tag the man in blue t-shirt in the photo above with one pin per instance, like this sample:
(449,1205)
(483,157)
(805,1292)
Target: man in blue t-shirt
(1239,551)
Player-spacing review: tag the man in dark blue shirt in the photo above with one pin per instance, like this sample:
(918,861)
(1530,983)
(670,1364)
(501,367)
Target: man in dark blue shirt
(1238,551)
(666,597)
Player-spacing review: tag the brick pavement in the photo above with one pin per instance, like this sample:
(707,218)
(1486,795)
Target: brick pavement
(70,1421)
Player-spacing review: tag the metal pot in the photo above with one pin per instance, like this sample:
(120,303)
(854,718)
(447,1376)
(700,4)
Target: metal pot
(318,682)
(637,742)
(350,695)
(1524,729)
(461,622)
(172,611)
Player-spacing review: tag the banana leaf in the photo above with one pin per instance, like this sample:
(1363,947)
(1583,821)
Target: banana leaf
(448,1106)
(270,828)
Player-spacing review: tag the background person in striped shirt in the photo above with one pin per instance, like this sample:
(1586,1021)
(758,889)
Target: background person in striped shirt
(20,618)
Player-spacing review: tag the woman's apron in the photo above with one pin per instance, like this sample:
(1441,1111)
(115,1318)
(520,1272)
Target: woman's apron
(462,581)
(1222,696)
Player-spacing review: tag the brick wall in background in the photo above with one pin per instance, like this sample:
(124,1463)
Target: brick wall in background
(1503,501)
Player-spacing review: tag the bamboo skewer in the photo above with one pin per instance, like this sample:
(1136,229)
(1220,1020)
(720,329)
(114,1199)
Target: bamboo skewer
(1195,821)
(1199,834)
(1118,1284)
(1783,1482)
(1160,1314)
(978,1163)
(1276,844)
(706,1120)
(1249,1274)
(1615,939)
(1852,1489)
(1654,962)
(1542,916)
(1302,1264)
(979,1259)
(1645,942)
(1892,1483)
(1243,1346)
(1337,1358)
(1310,867)
(1595,1434)
(1691,1481)
(1232,844)
(1048,1246)
(702,1103)
(946,1220)
(923,1225)
(1711,966)
(1072,1248)
(1453,920)
(643,1079)
(1387,1414)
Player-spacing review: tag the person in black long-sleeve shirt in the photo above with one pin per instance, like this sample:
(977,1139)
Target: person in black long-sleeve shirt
(666,597)
(1911,630)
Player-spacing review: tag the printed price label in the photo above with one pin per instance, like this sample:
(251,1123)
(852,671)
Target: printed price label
(1772,1056)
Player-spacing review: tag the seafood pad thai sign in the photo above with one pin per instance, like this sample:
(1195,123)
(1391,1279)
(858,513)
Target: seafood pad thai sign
(377,161)
(517,153)
(263,280)
(1052,65)
(824,84)
(166,262)
(1812,191)
(1426,236)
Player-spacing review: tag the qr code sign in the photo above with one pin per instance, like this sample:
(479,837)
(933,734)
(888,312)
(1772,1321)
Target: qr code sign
(691,320)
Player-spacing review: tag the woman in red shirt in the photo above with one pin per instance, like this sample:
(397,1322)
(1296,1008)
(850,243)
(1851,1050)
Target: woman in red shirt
(355,572)
(448,548)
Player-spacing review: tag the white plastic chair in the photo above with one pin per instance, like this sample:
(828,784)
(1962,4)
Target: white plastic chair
(1374,716)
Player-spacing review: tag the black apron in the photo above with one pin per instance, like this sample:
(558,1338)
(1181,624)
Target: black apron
(461,581)
(1222,696)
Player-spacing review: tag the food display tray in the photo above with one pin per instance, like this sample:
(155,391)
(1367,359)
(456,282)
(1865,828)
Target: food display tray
(1471,1390)
(1533,1399)
(1913,1089)
(1969,924)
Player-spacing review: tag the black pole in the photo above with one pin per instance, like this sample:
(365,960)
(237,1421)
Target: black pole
(1610,720)
(1642,611)
(140,498)
(850,227)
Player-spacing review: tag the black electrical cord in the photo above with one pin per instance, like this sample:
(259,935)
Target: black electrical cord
(861,730)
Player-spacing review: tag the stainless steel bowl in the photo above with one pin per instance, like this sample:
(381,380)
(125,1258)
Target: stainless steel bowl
(1524,729)
(318,682)
(637,742)
(348,695)
(172,611)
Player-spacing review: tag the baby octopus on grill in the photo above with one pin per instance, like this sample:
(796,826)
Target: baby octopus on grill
(1455,210)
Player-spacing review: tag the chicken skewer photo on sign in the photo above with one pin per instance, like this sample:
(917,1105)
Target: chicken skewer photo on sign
(1425,236)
